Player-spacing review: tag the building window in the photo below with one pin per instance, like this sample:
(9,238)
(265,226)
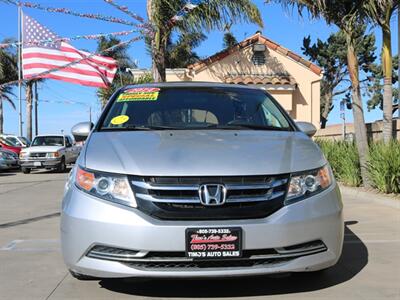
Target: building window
(258,58)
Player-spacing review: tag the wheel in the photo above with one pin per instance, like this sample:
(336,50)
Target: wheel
(62,166)
(26,170)
(81,276)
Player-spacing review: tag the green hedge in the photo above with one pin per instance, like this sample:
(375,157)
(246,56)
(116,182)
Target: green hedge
(383,163)
(384,166)
(343,158)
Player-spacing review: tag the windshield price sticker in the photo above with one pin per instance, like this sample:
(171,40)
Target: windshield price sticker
(213,243)
(139,94)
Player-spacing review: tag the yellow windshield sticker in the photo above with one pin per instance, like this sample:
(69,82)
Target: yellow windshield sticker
(118,120)
(139,94)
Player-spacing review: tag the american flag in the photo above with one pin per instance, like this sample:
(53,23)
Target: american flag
(40,54)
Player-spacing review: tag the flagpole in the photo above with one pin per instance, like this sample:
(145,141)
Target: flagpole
(19,69)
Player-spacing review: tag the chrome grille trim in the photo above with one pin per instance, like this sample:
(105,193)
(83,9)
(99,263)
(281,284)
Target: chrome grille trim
(239,190)
(196,200)
(195,187)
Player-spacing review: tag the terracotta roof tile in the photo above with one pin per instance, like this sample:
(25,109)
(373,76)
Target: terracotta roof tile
(248,79)
(251,40)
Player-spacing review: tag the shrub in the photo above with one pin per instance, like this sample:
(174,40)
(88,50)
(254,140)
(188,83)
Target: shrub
(343,158)
(384,166)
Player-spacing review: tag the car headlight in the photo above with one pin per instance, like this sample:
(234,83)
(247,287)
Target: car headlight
(23,154)
(305,184)
(53,154)
(111,187)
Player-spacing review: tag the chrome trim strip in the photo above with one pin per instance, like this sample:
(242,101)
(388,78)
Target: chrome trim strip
(196,200)
(266,197)
(301,250)
(195,187)
(124,258)
(167,200)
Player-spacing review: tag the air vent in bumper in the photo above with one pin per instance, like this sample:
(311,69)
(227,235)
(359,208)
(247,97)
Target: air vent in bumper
(178,260)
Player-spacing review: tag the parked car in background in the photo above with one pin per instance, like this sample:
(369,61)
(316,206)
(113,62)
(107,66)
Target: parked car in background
(8,145)
(16,140)
(199,180)
(8,160)
(49,152)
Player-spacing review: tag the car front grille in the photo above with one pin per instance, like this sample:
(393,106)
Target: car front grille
(164,260)
(37,154)
(177,198)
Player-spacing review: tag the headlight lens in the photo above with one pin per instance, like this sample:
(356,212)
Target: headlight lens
(53,154)
(23,154)
(110,187)
(308,183)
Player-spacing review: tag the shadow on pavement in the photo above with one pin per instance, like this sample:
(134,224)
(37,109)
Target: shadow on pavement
(354,258)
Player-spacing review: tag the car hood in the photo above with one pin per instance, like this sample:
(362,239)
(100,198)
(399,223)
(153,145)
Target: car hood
(43,148)
(201,152)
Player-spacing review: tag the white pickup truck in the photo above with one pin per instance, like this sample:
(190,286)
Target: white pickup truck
(49,152)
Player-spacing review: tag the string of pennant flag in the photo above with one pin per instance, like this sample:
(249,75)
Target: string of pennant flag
(66,39)
(73,13)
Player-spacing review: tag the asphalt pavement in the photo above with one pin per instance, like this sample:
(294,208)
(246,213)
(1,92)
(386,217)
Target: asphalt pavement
(31,266)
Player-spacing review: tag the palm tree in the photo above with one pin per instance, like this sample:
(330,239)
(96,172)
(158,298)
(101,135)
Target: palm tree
(347,15)
(121,55)
(380,13)
(180,54)
(8,72)
(207,16)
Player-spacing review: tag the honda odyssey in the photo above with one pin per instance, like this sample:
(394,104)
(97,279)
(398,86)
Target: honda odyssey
(198,180)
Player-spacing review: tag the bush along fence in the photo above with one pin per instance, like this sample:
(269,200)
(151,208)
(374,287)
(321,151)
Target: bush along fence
(383,163)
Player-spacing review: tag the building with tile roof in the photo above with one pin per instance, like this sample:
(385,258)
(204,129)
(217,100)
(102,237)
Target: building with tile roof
(258,61)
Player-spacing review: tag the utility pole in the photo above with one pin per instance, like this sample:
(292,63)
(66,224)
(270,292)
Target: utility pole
(36,99)
(90,114)
(19,69)
(343,117)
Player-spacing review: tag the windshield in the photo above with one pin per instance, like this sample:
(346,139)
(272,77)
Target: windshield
(12,141)
(25,140)
(48,141)
(194,108)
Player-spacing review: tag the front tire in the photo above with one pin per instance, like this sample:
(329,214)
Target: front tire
(62,167)
(26,170)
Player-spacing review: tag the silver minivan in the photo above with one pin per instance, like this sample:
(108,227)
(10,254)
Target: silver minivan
(198,180)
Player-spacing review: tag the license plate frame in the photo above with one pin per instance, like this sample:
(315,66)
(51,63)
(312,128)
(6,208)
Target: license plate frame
(37,164)
(204,243)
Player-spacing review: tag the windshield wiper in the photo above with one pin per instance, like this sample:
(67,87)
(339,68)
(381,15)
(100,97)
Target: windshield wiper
(138,128)
(247,126)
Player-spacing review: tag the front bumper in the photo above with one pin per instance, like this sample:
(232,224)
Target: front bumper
(87,221)
(9,164)
(40,163)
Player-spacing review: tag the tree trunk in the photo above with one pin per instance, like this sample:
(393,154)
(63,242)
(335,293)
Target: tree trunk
(387,66)
(327,103)
(1,115)
(360,129)
(28,99)
(158,45)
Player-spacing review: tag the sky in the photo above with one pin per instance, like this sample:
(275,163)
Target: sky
(284,27)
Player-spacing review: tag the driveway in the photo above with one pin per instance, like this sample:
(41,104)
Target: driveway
(31,266)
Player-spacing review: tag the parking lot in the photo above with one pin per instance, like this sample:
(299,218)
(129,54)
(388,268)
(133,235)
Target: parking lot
(31,266)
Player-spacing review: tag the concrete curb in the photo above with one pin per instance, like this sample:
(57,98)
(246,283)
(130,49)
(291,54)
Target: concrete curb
(366,195)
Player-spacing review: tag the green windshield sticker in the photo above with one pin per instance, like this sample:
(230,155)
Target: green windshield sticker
(139,94)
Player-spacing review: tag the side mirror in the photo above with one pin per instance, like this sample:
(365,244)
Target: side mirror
(307,128)
(81,131)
